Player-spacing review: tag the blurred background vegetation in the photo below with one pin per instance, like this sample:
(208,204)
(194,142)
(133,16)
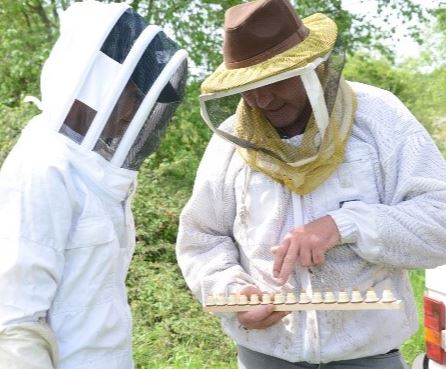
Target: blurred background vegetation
(170,330)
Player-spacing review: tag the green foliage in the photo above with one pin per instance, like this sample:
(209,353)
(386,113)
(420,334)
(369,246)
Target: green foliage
(12,120)
(28,29)
(440,13)
(27,32)
(360,32)
(423,93)
(383,74)
(198,24)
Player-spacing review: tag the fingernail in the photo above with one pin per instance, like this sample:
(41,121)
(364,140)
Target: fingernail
(275,274)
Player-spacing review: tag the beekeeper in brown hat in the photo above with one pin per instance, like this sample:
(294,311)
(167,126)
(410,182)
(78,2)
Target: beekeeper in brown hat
(310,183)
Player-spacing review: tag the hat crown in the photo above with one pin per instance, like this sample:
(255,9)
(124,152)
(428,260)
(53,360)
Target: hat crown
(259,30)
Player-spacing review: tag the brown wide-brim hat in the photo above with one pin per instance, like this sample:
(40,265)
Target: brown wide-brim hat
(264,38)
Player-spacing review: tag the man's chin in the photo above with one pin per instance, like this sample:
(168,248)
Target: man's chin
(280,124)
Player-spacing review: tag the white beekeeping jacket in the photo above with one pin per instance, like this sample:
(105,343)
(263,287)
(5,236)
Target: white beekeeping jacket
(109,88)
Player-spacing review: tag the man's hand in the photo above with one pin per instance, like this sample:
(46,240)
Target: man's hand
(305,245)
(261,317)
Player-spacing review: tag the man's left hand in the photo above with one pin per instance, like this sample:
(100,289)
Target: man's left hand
(305,245)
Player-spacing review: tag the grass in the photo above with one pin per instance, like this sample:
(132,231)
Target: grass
(416,345)
(170,329)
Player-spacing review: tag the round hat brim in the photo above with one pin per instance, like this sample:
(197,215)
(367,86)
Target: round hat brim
(321,39)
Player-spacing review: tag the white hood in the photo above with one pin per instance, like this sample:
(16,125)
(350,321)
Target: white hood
(117,128)
(83,29)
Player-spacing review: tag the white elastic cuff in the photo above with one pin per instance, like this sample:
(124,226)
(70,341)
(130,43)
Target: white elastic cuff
(347,228)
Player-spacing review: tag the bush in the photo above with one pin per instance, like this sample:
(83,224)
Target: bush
(12,120)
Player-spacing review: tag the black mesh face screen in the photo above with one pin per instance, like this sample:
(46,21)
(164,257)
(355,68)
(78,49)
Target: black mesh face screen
(157,122)
(153,61)
(120,40)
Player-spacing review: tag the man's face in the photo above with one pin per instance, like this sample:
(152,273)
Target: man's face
(124,111)
(284,103)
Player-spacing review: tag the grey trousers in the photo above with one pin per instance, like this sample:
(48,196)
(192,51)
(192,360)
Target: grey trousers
(248,359)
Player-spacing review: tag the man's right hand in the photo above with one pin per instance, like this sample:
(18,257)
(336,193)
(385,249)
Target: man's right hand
(262,316)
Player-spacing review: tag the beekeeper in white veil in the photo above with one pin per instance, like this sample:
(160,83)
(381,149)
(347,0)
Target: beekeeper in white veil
(109,89)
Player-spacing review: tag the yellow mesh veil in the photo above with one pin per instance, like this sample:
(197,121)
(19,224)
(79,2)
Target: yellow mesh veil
(300,168)
(305,167)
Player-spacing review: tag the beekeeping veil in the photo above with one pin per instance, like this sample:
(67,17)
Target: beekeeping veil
(266,42)
(112,82)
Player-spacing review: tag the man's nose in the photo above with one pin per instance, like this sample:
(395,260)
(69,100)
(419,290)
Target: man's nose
(263,97)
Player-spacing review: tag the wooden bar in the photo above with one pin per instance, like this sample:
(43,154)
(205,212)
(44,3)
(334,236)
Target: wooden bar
(349,306)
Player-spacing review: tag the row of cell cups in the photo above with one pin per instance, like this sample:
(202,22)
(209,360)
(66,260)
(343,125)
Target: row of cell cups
(317,297)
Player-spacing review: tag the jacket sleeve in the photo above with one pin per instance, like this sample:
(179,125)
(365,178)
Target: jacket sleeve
(28,346)
(206,251)
(408,230)
(35,218)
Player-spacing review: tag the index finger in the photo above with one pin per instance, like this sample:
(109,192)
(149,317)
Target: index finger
(289,263)
(279,256)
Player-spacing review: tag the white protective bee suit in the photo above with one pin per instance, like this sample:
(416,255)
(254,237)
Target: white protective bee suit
(109,88)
